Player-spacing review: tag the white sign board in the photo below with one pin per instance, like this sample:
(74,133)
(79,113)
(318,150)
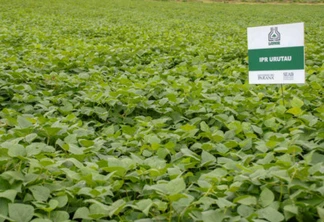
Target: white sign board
(276,54)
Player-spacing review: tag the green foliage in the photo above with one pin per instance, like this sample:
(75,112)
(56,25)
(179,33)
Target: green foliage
(141,111)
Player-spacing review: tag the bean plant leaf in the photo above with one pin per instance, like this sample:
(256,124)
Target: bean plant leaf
(320,211)
(266,197)
(212,216)
(271,214)
(82,213)
(24,122)
(172,187)
(246,200)
(296,102)
(21,212)
(17,150)
(41,220)
(296,111)
(204,127)
(62,200)
(58,216)
(207,158)
(40,193)
(9,194)
(144,205)
(4,208)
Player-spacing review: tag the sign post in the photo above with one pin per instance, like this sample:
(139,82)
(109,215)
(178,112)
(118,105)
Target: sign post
(276,54)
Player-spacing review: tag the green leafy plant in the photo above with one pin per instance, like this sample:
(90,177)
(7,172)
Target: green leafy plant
(141,111)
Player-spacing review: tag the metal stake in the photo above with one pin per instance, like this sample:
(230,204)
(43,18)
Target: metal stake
(282,95)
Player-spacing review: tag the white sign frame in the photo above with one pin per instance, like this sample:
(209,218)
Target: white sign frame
(276,54)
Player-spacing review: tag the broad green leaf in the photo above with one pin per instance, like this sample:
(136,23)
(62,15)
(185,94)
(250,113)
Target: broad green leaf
(97,211)
(12,176)
(317,158)
(175,197)
(35,148)
(161,205)
(17,150)
(4,184)
(31,137)
(51,131)
(47,207)
(182,203)
(144,205)
(218,136)
(101,112)
(85,191)
(271,214)
(204,127)
(320,211)
(23,122)
(245,211)
(281,174)
(205,202)
(207,158)
(9,194)
(109,130)
(230,135)
(116,207)
(74,149)
(128,130)
(59,216)
(309,119)
(271,123)
(222,148)
(296,102)
(189,153)
(212,216)
(257,129)
(223,203)
(3,208)
(296,111)
(4,218)
(174,172)
(86,143)
(231,144)
(176,186)
(246,200)
(152,139)
(71,139)
(266,197)
(217,174)
(155,162)
(66,108)
(82,213)
(172,187)
(236,126)
(41,220)
(290,211)
(40,193)
(205,146)
(188,127)
(21,212)
(62,200)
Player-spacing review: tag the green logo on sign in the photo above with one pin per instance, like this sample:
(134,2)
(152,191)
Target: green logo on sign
(274,36)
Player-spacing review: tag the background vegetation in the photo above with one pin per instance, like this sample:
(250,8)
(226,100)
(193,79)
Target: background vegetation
(253,1)
(141,111)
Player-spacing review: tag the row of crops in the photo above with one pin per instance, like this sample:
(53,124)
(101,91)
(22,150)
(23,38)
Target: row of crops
(141,111)
(253,1)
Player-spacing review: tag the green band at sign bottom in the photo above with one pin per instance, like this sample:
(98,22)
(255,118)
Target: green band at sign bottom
(290,58)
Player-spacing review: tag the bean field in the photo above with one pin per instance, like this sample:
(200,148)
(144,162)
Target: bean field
(142,111)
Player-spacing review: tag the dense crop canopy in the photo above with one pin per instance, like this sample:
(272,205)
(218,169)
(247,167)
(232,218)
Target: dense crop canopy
(141,111)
